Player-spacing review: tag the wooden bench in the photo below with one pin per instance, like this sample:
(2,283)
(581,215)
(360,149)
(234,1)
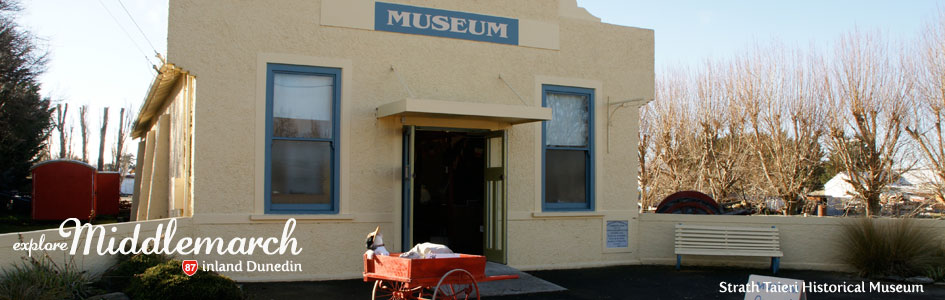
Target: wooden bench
(728,241)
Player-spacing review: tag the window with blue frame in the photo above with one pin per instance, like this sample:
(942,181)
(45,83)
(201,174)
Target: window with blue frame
(302,108)
(568,149)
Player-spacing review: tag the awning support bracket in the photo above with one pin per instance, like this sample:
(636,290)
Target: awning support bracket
(620,104)
(402,82)
(513,90)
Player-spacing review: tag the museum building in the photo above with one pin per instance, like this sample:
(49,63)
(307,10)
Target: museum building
(502,128)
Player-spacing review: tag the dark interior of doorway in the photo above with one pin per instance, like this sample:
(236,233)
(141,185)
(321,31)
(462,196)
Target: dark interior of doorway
(448,189)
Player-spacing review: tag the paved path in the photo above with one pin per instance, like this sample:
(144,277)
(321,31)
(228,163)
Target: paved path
(525,284)
(625,282)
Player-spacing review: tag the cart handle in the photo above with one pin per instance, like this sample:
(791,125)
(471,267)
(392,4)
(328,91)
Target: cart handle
(498,277)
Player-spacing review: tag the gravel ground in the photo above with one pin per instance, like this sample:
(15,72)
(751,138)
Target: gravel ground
(624,282)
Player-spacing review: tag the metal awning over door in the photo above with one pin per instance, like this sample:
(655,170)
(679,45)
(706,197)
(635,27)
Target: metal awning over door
(438,109)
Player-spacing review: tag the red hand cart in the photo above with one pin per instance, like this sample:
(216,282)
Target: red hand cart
(452,278)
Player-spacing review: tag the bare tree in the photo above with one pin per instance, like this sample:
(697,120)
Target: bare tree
(928,74)
(648,175)
(780,92)
(84,127)
(101,140)
(674,163)
(70,152)
(722,136)
(124,128)
(759,126)
(60,124)
(869,97)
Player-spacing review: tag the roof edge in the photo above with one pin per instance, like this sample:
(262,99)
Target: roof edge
(78,162)
(167,74)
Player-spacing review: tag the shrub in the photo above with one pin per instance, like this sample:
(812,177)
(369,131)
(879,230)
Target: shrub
(118,276)
(936,273)
(44,279)
(894,247)
(168,281)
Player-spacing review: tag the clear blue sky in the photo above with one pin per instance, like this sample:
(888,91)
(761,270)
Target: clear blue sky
(687,32)
(92,61)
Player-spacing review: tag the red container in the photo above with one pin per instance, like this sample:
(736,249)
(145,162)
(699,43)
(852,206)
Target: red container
(421,271)
(63,189)
(107,186)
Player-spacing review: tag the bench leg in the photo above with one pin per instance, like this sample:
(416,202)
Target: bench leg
(775,262)
(678,261)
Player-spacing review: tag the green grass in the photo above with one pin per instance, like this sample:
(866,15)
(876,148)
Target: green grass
(44,279)
(890,247)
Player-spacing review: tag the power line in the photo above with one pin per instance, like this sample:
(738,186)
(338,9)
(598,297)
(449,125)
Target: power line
(126,33)
(139,27)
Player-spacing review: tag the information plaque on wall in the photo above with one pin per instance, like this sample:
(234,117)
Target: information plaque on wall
(617,234)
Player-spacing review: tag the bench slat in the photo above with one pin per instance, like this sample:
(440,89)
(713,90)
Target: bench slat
(731,240)
(717,249)
(727,228)
(730,253)
(726,245)
(719,232)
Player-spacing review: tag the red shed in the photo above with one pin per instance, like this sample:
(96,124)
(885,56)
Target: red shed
(63,189)
(106,193)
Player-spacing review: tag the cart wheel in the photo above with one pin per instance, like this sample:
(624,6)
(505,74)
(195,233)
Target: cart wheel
(457,284)
(394,290)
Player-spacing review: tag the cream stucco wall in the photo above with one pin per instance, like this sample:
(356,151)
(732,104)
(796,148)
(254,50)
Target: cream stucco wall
(807,242)
(226,46)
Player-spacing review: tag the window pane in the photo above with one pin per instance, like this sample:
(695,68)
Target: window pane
(568,125)
(301,172)
(495,158)
(565,176)
(301,105)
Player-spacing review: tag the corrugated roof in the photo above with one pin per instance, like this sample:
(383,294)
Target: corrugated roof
(156,99)
(513,114)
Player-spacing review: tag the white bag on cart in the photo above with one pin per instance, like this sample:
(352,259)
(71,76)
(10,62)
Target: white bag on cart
(429,250)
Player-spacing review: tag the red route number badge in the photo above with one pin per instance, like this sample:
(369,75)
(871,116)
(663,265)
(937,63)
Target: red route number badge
(189,267)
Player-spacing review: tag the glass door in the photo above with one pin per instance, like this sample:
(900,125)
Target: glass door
(494,214)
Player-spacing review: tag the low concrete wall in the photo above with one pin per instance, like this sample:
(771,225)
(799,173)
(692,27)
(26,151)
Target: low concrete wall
(93,263)
(813,243)
(807,242)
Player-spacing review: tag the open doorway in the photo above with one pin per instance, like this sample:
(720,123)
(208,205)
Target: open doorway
(449,188)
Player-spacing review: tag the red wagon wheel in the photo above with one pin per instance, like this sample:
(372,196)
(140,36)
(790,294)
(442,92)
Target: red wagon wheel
(394,290)
(457,284)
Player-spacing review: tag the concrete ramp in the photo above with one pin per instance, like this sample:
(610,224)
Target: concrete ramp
(525,284)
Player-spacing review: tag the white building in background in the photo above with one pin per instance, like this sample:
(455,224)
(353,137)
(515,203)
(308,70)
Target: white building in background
(913,185)
(912,182)
(838,187)
(127,185)
(916,181)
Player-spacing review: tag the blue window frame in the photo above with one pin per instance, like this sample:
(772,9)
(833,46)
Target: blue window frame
(567,157)
(302,111)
